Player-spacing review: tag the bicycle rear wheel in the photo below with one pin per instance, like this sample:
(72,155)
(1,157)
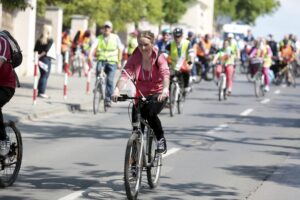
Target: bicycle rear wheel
(11,163)
(154,162)
(133,167)
(172,100)
(98,100)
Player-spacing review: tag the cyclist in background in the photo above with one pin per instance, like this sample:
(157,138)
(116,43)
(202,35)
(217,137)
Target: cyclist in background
(202,50)
(65,47)
(151,74)
(164,41)
(225,58)
(180,57)
(108,49)
(193,40)
(131,45)
(286,54)
(264,52)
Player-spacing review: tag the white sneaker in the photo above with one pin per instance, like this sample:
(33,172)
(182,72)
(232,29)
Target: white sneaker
(267,88)
(4,147)
(187,89)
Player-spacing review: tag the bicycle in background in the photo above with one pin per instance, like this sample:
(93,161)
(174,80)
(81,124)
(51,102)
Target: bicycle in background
(140,154)
(259,78)
(78,61)
(221,81)
(287,73)
(11,163)
(176,96)
(99,93)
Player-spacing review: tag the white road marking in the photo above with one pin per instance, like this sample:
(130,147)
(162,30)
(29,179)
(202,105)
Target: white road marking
(277,92)
(78,194)
(265,101)
(283,85)
(73,195)
(247,112)
(220,127)
(171,151)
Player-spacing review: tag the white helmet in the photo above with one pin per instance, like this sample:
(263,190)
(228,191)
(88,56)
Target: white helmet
(230,35)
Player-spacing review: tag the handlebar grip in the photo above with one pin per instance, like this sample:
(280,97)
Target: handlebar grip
(123,97)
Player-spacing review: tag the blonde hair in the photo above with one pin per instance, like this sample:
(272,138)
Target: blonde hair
(46,34)
(146,34)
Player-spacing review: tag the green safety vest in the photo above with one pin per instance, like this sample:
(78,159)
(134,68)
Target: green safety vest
(230,60)
(108,51)
(174,52)
(132,44)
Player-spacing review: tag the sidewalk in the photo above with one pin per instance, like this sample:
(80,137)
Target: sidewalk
(21,105)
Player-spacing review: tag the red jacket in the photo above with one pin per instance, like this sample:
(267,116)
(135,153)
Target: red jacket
(148,84)
(7,75)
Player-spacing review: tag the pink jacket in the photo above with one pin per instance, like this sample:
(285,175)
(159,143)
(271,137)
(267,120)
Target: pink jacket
(147,84)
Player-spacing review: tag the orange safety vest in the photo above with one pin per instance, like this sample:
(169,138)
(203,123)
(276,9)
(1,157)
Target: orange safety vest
(65,43)
(287,52)
(206,45)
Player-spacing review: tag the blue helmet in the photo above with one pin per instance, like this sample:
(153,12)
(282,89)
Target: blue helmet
(166,31)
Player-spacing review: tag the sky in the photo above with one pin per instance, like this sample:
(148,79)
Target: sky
(283,21)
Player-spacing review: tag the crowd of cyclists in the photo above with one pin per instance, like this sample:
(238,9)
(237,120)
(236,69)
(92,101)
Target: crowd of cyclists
(191,57)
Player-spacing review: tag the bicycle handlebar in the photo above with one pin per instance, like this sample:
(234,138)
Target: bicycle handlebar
(124,97)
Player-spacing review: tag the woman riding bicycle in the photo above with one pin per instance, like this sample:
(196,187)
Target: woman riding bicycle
(226,58)
(150,72)
(263,51)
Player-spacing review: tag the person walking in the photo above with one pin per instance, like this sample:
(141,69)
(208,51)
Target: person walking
(108,49)
(42,46)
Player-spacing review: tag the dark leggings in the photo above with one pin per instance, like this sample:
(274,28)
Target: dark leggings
(150,112)
(6,94)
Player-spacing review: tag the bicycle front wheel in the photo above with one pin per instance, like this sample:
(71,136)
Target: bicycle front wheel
(98,100)
(133,167)
(172,100)
(154,162)
(221,88)
(258,88)
(11,163)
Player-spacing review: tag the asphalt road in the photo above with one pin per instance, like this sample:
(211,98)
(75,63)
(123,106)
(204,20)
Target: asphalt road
(242,148)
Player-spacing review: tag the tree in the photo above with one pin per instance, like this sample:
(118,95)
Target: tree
(174,9)
(16,4)
(245,10)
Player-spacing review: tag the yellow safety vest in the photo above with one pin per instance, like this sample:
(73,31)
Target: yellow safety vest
(132,44)
(174,52)
(108,51)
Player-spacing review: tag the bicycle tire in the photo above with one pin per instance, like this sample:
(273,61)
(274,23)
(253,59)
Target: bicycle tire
(172,99)
(154,170)
(103,96)
(180,103)
(199,73)
(133,175)
(98,97)
(257,85)
(221,89)
(11,163)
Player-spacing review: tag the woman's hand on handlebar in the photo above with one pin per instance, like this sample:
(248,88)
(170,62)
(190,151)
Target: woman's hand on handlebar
(163,95)
(115,95)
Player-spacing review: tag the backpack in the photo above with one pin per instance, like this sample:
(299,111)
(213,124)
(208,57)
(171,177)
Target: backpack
(16,53)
